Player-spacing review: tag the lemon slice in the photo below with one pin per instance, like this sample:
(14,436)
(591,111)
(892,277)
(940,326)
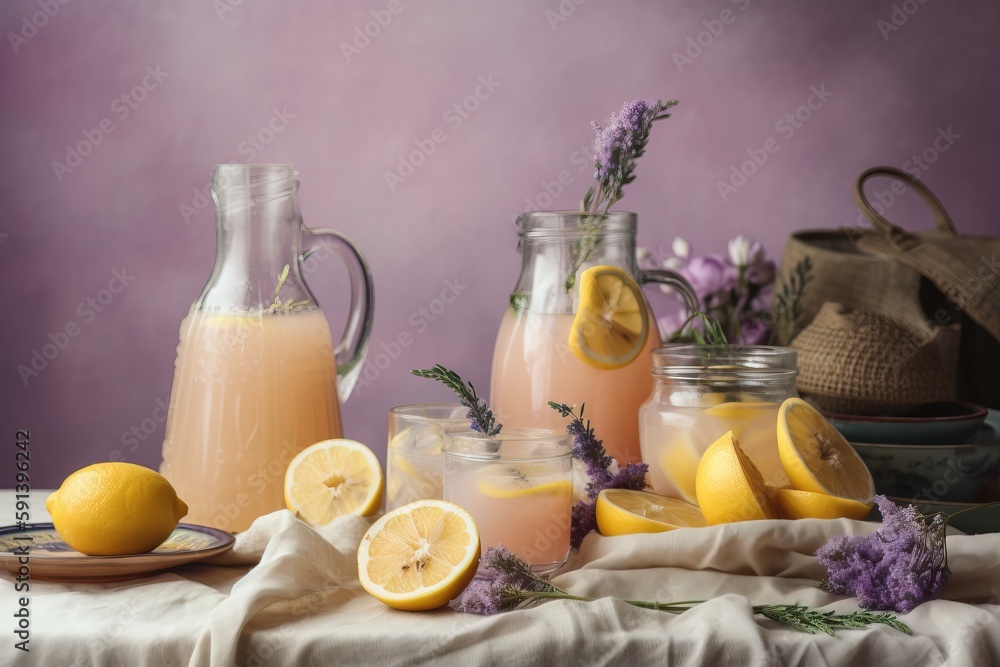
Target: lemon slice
(795,504)
(624,512)
(332,478)
(730,487)
(816,456)
(419,556)
(612,322)
(494,490)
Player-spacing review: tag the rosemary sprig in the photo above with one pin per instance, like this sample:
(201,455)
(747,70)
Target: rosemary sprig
(479,413)
(787,302)
(796,616)
(714,335)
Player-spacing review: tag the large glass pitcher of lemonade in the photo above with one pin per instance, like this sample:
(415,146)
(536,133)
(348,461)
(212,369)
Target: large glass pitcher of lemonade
(578,329)
(258,377)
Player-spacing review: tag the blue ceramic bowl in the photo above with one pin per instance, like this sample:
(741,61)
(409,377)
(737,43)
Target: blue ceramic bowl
(934,473)
(931,424)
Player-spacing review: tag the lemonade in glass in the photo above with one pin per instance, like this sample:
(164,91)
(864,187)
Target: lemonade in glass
(518,487)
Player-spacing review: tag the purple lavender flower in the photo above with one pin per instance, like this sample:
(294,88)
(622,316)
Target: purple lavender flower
(617,147)
(505,576)
(897,567)
(627,131)
(588,449)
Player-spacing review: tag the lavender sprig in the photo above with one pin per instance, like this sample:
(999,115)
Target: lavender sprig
(590,450)
(509,584)
(897,567)
(480,416)
(617,147)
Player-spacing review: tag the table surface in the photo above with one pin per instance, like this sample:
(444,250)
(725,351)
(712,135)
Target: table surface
(303,605)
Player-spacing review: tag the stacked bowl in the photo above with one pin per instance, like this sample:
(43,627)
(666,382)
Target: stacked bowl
(941,457)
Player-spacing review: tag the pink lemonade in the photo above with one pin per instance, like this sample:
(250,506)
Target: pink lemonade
(533,364)
(250,392)
(528,514)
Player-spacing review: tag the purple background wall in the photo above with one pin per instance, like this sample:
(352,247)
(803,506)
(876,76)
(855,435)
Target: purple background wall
(345,120)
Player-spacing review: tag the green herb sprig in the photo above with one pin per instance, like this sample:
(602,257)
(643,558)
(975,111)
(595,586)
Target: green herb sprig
(788,302)
(479,413)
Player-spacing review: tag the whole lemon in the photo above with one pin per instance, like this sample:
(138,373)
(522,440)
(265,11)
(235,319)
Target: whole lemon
(115,508)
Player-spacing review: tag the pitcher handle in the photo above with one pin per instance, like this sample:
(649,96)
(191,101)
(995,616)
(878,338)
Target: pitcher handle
(675,280)
(350,351)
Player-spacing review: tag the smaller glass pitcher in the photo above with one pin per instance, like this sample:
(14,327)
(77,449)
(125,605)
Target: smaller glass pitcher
(532,362)
(257,374)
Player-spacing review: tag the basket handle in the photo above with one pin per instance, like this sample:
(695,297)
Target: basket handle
(941,218)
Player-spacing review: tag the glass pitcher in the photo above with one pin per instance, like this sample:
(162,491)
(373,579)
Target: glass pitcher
(257,375)
(532,360)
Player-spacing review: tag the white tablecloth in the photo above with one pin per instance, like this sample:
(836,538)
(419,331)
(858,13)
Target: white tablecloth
(302,605)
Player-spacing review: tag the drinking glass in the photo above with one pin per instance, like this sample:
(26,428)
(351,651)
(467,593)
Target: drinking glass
(413,455)
(518,486)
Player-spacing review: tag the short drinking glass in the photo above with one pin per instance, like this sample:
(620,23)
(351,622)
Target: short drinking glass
(413,455)
(518,486)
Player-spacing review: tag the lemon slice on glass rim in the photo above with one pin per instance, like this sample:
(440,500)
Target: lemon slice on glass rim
(612,322)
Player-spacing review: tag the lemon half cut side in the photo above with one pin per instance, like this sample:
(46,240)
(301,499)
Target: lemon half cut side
(333,478)
(419,556)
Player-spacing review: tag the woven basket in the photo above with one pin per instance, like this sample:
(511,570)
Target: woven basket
(866,363)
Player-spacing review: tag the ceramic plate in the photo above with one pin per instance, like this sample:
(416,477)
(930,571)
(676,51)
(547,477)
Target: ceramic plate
(51,558)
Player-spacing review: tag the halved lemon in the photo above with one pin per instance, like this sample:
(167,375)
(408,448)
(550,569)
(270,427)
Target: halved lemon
(624,512)
(419,556)
(816,456)
(730,487)
(795,504)
(332,478)
(612,321)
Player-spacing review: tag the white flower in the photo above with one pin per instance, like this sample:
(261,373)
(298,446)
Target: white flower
(744,252)
(681,248)
(642,253)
